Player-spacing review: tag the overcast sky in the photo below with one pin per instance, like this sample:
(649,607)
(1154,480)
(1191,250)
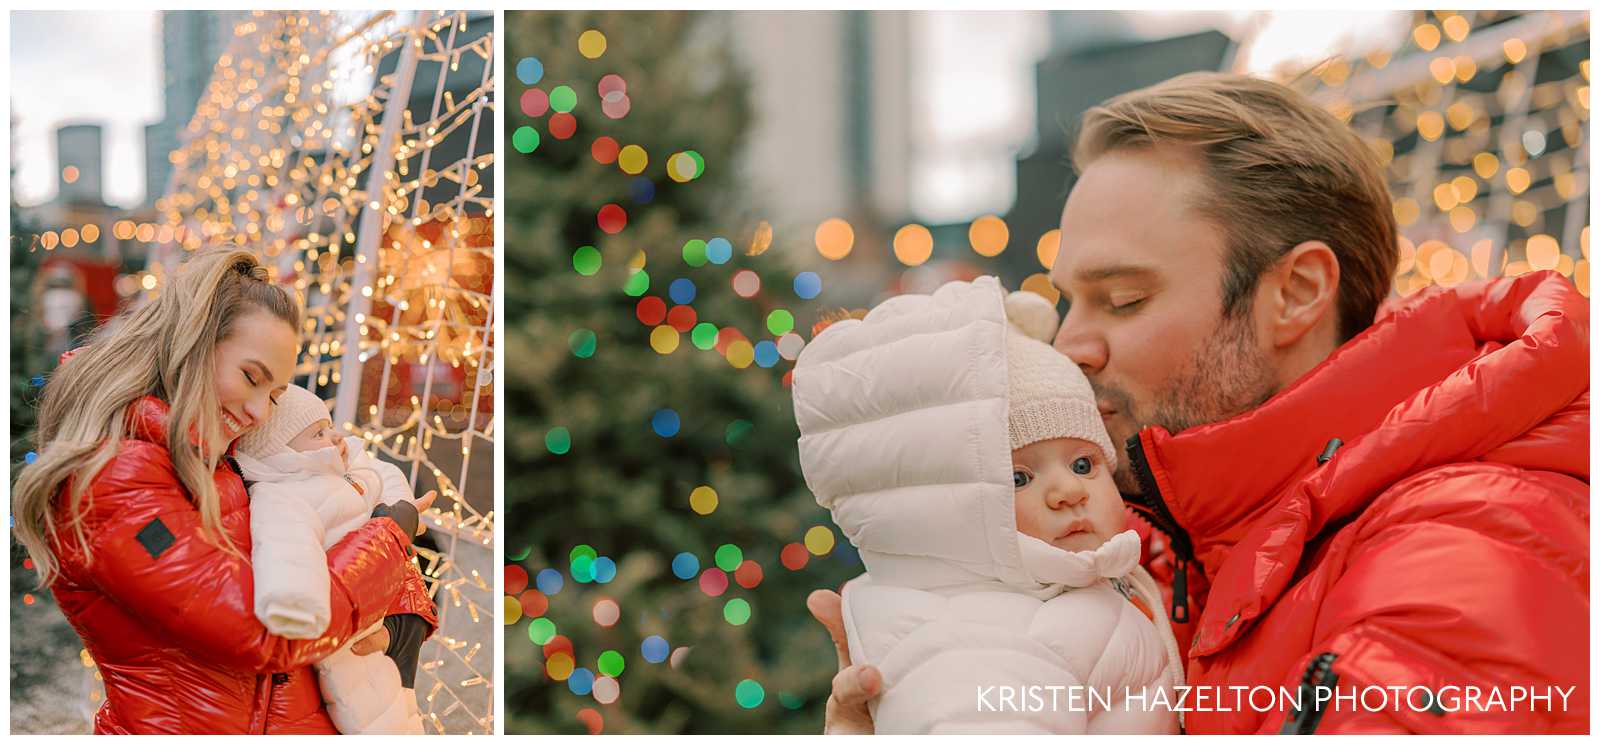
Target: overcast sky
(83,67)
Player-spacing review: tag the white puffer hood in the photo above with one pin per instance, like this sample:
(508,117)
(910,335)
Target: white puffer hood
(903,437)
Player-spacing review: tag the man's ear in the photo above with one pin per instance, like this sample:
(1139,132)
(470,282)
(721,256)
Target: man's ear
(1301,296)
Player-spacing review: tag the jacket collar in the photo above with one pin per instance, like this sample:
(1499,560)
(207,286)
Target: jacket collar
(1454,375)
(147,420)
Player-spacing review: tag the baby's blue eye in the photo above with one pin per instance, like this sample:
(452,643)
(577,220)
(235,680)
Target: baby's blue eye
(1082,466)
(1020,479)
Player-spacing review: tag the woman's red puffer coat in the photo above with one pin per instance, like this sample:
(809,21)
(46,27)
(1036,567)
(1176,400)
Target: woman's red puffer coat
(1445,543)
(168,615)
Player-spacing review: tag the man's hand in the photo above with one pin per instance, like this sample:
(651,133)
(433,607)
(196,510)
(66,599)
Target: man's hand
(376,641)
(855,685)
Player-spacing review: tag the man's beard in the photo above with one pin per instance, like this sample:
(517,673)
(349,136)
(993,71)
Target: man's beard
(1226,374)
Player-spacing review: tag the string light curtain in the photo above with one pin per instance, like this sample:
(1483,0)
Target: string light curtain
(352,151)
(1482,121)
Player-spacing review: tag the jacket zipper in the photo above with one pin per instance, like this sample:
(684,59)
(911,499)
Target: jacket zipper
(1319,674)
(1154,508)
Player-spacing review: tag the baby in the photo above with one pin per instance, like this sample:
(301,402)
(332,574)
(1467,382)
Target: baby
(308,488)
(967,461)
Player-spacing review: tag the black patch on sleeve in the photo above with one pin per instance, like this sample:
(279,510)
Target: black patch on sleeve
(155,538)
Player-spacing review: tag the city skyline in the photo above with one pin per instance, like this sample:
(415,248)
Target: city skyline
(58,72)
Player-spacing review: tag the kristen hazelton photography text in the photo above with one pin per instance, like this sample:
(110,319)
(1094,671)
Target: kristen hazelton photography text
(300,279)
(1053,372)
(1374,699)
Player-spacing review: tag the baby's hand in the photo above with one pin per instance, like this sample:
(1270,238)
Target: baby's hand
(376,641)
(422,506)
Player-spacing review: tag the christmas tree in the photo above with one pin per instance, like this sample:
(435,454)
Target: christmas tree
(660,541)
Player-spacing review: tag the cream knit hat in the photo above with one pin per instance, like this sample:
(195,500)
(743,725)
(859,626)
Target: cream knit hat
(297,408)
(1049,396)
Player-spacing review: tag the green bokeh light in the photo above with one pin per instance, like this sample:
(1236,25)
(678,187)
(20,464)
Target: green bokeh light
(638,283)
(780,322)
(586,260)
(563,98)
(558,440)
(541,631)
(583,342)
(694,252)
(729,557)
(611,663)
(704,336)
(736,611)
(749,693)
(525,139)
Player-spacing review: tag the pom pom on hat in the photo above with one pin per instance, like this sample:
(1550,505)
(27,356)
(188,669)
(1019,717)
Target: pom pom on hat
(1048,397)
(1033,315)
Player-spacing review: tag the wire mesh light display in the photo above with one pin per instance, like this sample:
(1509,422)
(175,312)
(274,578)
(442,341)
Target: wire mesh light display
(353,151)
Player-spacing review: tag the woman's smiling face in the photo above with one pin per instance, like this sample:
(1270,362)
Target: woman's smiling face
(253,366)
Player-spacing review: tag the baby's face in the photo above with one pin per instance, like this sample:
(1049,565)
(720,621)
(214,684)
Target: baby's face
(319,435)
(1065,495)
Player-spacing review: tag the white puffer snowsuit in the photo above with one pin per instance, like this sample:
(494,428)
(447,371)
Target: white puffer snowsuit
(904,439)
(300,504)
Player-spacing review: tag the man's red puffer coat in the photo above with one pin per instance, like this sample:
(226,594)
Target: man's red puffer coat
(1444,543)
(168,615)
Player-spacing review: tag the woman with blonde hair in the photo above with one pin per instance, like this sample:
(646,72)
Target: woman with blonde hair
(137,519)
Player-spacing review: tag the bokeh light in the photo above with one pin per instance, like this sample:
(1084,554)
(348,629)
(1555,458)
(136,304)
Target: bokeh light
(558,440)
(703,500)
(807,285)
(749,694)
(563,98)
(746,283)
(604,150)
(685,565)
(713,582)
(586,260)
(819,540)
(530,70)
(654,649)
(1049,245)
(612,218)
(525,139)
(682,291)
(592,44)
(794,557)
(548,581)
(719,250)
(988,235)
(632,160)
(834,239)
(780,322)
(913,245)
(534,102)
(728,557)
(694,252)
(665,422)
(664,339)
(736,611)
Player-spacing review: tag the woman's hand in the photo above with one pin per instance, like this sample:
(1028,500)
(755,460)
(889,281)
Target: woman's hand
(376,641)
(855,685)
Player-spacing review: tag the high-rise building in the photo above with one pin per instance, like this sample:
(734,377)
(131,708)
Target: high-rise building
(192,42)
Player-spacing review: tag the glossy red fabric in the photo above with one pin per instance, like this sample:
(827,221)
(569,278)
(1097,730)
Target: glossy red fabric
(1445,543)
(168,615)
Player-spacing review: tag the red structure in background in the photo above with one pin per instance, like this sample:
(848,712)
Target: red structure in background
(98,280)
(409,261)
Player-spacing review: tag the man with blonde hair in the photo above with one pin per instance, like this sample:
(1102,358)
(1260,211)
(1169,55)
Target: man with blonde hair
(1346,498)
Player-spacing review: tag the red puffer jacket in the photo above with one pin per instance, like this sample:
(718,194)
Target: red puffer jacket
(1445,543)
(168,616)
